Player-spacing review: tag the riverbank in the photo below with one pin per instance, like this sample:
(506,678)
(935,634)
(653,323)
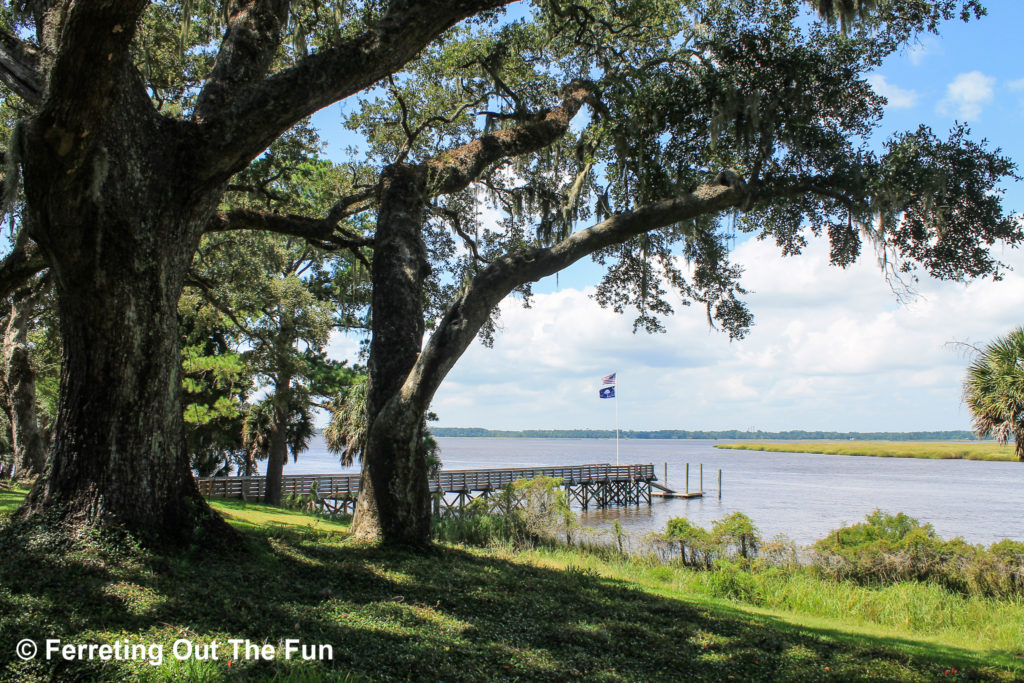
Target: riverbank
(885,449)
(460,613)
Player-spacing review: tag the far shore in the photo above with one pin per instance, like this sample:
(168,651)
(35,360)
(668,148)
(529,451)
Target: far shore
(939,450)
(815,436)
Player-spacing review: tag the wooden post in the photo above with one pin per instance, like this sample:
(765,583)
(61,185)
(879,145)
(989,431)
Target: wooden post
(687,477)
(666,474)
(702,478)
(719,484)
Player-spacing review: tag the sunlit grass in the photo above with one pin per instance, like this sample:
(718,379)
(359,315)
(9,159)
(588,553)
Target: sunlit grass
(11,498)
(887,449)
(244,514)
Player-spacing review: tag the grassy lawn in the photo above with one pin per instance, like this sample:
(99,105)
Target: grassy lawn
(450,614)
(946,450)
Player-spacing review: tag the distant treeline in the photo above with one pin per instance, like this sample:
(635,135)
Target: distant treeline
(687,434)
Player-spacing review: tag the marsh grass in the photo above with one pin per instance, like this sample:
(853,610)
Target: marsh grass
(887,449)
(457,613)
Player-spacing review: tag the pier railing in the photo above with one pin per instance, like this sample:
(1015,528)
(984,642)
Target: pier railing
(339,486)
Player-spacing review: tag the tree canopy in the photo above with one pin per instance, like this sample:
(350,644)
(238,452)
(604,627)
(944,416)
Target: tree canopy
(640,134)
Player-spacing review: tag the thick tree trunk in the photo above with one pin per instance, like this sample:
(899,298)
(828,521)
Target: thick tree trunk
(278,455)
(119,455)
(394,501)
(26,437)
(116,215)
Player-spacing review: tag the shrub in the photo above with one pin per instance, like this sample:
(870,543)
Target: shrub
(696,548)
(736,534)
(887,549)
(523,513)
(733,536)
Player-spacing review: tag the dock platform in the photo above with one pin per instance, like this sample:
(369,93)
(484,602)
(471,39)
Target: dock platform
(599,485)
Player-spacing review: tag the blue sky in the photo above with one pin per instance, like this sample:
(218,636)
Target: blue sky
(831,349)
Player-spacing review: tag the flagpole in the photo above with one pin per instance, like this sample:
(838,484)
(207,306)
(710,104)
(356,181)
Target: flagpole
(616,426)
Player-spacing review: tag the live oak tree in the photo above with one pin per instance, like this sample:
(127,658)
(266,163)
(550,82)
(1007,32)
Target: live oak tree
(135,123)
(124,154)
(697,113)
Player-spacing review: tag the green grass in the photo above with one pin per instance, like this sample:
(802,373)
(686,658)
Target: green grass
(466,614)
(256,516)
(10,498)
(888,449)
(935,620)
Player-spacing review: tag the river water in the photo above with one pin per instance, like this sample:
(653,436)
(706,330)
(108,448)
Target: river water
(801,495)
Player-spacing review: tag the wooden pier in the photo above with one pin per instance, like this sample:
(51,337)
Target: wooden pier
(586,485)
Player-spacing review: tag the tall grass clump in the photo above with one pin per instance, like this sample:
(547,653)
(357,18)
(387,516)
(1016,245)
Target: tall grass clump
(523,514)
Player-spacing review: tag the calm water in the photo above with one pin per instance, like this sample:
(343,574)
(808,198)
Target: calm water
(801,495)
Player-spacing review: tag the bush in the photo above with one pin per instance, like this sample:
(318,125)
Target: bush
(886,549)
(736,534)
(523,513)
(696,548)
(733,536)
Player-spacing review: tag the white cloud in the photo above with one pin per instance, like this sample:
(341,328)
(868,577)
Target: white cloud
(897,97)
(925,48)
(1017,86)
(830,349)
(966,94)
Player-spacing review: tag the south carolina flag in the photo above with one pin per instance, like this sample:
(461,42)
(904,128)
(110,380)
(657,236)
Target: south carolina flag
(607,392)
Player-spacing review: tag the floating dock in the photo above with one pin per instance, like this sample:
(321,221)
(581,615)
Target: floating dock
(663,492)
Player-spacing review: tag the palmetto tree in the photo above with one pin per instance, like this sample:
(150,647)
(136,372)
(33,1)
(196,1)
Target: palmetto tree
(994,390)
(346,433)
(258,426)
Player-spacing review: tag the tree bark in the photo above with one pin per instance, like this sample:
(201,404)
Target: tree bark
(278,455)
(26,437)
(394,501)
(115,213)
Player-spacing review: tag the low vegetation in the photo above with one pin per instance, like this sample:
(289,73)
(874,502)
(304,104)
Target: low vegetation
(885,449)
(515,609)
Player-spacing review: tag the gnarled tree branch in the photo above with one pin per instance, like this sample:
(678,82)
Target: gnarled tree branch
(456,169)
(320,232)
(19,68)
(243,125)
(471,309)
(246,52)
(95,55)
(23,263)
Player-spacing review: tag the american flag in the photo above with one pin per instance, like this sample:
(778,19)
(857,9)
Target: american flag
(608,379)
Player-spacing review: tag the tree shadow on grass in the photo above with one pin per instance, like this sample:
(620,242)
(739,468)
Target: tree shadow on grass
(446,614)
